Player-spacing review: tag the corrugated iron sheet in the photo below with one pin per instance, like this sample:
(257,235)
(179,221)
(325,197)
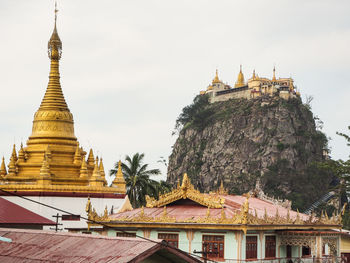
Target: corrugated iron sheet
(35,246)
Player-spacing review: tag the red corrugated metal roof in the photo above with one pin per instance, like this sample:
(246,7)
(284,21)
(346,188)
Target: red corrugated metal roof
(11,213)
(46,246)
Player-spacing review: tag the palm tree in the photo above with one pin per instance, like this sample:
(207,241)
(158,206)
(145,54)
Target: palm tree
(138,183)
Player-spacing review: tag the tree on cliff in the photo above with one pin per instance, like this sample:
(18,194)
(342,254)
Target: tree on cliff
(138,183)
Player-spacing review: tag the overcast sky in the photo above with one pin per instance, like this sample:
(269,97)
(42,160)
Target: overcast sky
(129,67)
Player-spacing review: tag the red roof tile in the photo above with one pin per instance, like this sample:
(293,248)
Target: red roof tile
(11,213)
(187,209)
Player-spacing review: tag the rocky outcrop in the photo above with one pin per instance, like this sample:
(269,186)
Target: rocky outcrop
(240,140)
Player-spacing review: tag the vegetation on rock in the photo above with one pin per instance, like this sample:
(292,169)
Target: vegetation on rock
(239,140)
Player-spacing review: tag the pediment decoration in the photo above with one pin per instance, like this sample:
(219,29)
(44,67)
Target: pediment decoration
(186,191)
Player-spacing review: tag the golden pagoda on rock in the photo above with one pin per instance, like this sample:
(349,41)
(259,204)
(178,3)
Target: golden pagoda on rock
(53,161)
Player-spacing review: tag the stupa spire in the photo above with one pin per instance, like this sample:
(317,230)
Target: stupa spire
(216,78)
(240,79)
(274,73)
(53,119)
(54,97)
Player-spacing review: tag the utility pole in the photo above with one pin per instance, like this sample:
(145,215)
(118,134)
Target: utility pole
(57,224)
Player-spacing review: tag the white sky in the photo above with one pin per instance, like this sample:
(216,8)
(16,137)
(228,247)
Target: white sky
(129,67)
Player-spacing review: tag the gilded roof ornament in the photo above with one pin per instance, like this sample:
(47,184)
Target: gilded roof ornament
(186,191)
(274,73)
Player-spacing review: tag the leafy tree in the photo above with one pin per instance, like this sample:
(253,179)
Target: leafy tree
(138,183)
(197,114)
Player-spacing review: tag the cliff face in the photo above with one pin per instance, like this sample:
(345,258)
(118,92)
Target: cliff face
(240,140)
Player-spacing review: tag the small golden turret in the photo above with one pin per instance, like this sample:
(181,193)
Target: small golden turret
(12,165)
(102,172)
(216,79)
(45,175)
(83,169)
(240,79)
(91,158)
(119,181)
(96,172)
(21,155)
(14,154)
(274,74)
(3,171)
(77,155)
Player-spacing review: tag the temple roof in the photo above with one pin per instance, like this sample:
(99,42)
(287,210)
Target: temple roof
(186,205)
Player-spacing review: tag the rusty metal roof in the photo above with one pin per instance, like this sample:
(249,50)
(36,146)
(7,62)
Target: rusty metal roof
(48,246)
(11,213)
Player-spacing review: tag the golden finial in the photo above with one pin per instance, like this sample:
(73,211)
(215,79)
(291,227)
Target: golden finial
(55,44)
(253,77)
(3,171)
(185,182)
(12,166)
(240,79)
(216,79)
(274,73)
(165,211)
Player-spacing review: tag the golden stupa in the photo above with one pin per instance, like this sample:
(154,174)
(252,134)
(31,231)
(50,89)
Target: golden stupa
(53,161)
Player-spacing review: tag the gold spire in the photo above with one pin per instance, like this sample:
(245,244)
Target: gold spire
(77,155)
(21,154)
(14,154)
(83,169)
(253,77)
(240,79)
(91,158)
(96,172)
(119,181)
(3,171)
(102,171)
(53,119)
(216,79)
(12,165)
(45,176)
(274,73)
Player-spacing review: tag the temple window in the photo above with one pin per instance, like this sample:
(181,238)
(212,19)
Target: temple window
(306,252)
(251,249)
(270,246)
(213,246)
(125,234)
(171,239)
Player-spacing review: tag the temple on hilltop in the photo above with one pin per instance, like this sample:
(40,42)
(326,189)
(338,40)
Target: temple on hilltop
(53,167)
(255,86)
